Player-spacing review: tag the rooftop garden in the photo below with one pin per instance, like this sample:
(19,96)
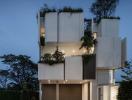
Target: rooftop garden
(46,9)
(104,9)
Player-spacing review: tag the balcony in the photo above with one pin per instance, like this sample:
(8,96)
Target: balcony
(74,68)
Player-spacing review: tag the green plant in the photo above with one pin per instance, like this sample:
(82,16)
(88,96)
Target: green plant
(103,8)
(127,71)
(21,69)
(125,90)
(58,56)
(88,41)
(72,10)
(46,9)
(55,58)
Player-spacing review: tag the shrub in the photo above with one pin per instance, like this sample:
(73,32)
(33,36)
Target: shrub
(125,90)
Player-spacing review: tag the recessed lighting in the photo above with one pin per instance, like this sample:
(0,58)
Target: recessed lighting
(48,81)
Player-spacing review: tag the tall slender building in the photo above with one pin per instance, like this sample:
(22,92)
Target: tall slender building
(78,76)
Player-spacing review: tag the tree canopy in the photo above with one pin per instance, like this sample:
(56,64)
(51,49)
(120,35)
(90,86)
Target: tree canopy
(125,88)
(22,72)
(127,72)
(104,8)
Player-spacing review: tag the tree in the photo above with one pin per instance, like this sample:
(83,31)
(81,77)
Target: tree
(23,72)
(88,40)
(125,89)
(4,77)
(104,8)
(127,72)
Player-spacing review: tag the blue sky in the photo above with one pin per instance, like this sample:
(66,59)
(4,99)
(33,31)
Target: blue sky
(19,30)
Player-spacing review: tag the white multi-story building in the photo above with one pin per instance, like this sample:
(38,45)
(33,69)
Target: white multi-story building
(74,79)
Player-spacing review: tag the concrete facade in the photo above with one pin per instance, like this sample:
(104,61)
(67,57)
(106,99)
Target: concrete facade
(67,29)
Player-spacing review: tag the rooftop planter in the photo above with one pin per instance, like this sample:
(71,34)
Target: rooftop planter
(110,17)
(45,10)
(51,59)
(106,17)
(71,10)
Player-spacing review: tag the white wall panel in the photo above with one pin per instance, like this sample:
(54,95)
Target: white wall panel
(109,27)
(108,52)
(51,27)
(47,72)
(105,77)
(71,27)
(73,68)
(117,52)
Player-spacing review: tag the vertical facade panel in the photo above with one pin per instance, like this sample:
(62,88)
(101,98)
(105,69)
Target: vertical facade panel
(89,67)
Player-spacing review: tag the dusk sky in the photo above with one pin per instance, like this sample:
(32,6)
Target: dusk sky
(19,30)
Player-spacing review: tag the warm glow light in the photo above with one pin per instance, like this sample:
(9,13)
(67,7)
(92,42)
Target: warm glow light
(43,34)
(63,51)
(92,50)
(48,81)
(42,30)
(73,51)
(95,35)
(84,51)
(114,92)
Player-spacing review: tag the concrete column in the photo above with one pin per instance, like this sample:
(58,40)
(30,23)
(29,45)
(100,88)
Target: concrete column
(57,91)
(93,90)
(85,91)
(40,91)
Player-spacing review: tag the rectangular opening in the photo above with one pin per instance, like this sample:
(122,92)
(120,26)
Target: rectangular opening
(49,92)
(70,92)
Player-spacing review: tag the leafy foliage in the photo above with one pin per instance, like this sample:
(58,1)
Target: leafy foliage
(4,77)
(88,40)
(22,71)
(127,72)
(125,90)
(46,9)
(18,95)
(103,8)
(72,10)
(57,57)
